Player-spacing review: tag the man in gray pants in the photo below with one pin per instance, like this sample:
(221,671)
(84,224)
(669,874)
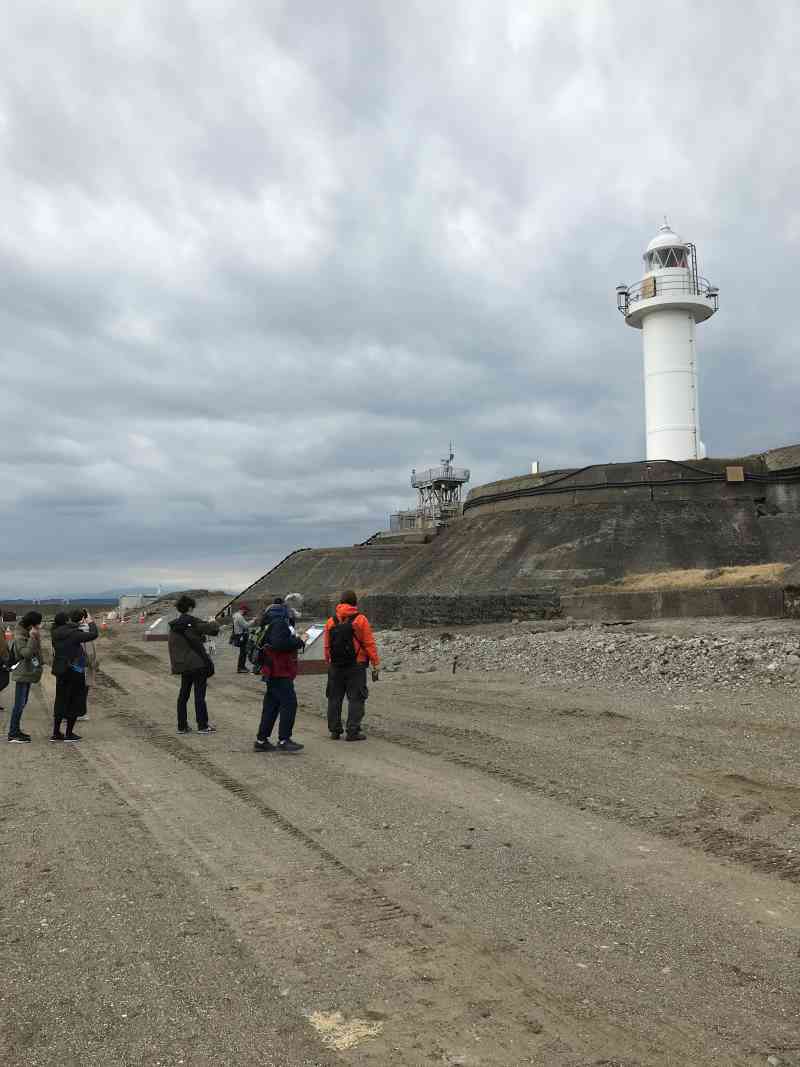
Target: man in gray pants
(349,649)
(241,633)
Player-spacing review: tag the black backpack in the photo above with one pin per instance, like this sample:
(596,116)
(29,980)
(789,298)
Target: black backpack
(279,637)
(342,642)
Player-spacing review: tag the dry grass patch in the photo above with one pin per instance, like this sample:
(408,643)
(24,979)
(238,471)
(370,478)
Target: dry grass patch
(762,574)
(340,1033)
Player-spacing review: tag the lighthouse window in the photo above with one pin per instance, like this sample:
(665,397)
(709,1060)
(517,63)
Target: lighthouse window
(663,258)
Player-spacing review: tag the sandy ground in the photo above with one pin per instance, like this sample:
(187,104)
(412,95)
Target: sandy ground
(503,874)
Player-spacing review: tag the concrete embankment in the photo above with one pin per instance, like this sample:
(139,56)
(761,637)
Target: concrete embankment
(529,547)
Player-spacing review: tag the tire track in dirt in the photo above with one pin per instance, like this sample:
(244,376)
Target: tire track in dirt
(453,959)
(378,907)
(129,966)
(381,907)
(690,830)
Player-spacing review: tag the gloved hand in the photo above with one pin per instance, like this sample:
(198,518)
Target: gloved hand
(376,674)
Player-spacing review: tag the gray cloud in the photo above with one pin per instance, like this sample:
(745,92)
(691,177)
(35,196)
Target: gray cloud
(259,259)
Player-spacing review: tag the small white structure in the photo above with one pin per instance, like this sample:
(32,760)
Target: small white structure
(666,305)
(133,601)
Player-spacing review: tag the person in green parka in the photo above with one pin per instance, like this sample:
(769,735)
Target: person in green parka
(27,648)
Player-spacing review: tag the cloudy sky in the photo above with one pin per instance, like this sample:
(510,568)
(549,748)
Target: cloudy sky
(260,258)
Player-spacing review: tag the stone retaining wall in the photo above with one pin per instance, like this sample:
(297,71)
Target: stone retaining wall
(761,601)
(396,611)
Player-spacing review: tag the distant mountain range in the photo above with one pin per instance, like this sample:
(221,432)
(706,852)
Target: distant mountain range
(109,595)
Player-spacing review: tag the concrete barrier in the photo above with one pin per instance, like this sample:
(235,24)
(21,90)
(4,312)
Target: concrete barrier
(761,601)
(417,610)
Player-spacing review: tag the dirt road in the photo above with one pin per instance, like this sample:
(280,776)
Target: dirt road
(501,875)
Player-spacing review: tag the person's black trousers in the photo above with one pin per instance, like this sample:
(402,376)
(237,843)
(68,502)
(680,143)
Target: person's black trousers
(279,699)
(352,682)
(70,701)
(242,664)
(199,680)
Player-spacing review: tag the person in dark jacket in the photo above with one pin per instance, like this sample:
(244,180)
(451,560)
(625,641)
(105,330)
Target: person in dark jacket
(69,667)
(27,672)
(189,659)
(241,632)
(5,654)
(279,670)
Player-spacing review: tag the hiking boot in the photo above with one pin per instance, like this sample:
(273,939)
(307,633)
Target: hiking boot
(72,737)
(57,737)
(336,736)
(184,729)
(207,729)
(19,738)
(263,746)
(289,746)
(356,737)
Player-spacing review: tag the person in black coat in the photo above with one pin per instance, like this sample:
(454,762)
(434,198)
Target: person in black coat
(188,658)
(69,667)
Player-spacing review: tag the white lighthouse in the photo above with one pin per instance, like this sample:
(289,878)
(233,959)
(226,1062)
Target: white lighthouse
(666,305)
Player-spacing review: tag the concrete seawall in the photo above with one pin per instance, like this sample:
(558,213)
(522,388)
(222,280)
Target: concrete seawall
(534,549)
(538,552)
(758,480)
(543,538)
(758,601)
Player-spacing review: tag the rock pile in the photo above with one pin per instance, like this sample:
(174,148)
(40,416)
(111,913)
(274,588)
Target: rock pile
(593,654)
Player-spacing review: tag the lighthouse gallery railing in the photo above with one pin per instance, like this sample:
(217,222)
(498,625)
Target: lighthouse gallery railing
(665,285)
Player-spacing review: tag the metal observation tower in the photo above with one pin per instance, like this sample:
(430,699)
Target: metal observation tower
(438,497)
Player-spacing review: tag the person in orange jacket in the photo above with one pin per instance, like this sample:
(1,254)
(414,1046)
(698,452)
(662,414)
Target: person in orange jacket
(349,649)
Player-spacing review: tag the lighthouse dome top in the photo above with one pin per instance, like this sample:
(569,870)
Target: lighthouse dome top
(666,238)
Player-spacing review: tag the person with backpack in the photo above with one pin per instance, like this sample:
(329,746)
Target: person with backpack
(26,666)
(69,667)
(278,657)
(188,658)
(349,649)
(240,635)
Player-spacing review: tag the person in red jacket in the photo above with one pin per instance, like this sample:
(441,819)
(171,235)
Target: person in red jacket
(278,670)
(349,649)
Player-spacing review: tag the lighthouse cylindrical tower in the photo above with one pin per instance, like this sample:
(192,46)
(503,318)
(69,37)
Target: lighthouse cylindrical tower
(666,306)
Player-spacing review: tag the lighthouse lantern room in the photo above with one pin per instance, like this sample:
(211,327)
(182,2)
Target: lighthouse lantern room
(666,306)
